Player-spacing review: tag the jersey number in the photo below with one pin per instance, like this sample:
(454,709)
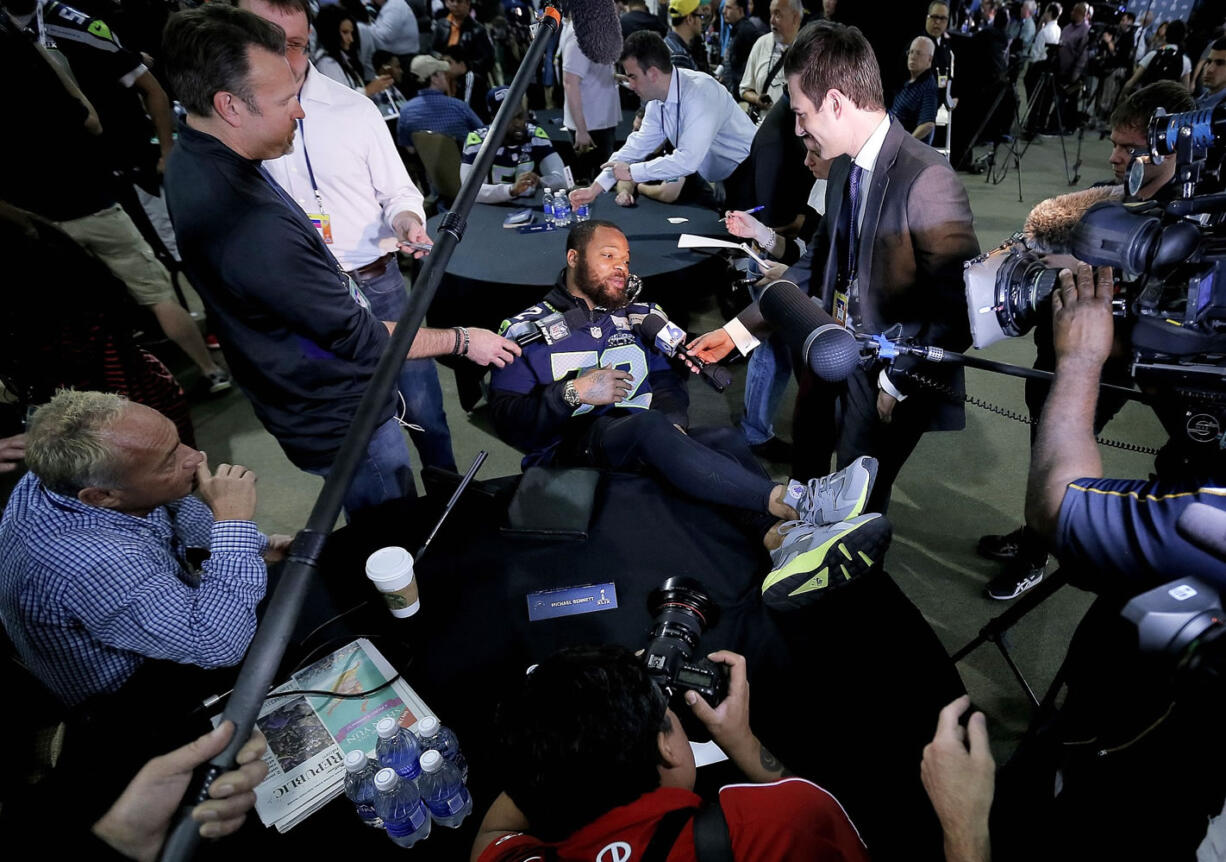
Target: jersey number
(628,357)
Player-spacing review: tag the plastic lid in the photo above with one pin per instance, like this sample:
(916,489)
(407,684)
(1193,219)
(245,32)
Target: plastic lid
(386,779)
(388,563)
(428,726)
(386,728)
(355,761)
(431,761)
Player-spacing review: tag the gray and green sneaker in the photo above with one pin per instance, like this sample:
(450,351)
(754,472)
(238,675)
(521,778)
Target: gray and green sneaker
(813,561)
(836,497)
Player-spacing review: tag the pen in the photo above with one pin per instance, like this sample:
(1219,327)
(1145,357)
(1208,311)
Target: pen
(756,209)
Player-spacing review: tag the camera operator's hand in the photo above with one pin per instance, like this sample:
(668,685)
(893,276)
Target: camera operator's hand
(729,722)
(607,385)
(1082,326)
(959,776)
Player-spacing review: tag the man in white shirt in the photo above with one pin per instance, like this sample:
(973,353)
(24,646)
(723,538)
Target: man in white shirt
(591,110)
(692,112)
(762,83)
(346,174)
(1049,33)
(395,29)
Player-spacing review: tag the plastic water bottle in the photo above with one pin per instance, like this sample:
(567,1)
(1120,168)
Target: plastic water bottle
(549,219)
(583,212)
(399,803)
(443,740)
(561,209)
(360,786)
(397,748)
(443,791)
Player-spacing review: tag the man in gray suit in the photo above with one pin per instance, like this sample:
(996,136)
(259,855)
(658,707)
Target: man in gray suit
(896,231)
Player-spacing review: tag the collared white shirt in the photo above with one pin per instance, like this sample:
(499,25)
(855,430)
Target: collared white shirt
(762,56)
(715,133)
(1049,35)
(395,28)
(363,184)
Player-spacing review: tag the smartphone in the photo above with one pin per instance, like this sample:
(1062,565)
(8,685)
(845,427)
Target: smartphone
(415,246)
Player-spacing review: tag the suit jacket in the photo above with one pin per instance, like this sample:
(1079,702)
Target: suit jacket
(916,234)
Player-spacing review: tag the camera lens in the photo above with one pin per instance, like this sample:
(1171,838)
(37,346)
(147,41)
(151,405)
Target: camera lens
(682,612)
(1023,286)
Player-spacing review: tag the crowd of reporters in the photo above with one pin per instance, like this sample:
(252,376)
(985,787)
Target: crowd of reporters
(719,95)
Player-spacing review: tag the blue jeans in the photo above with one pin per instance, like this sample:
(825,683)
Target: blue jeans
(766,379)
(384,473)
(423,396)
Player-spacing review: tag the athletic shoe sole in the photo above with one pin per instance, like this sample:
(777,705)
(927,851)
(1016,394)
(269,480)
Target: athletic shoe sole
(837,554)
(1008,586)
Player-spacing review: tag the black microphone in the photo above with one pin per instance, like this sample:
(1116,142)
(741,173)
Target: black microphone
(829,348)
(598,30)
(551,329)
(669,338)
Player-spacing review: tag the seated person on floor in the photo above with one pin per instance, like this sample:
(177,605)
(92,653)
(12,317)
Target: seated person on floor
(577,793)
(94,571)
(525,161)
(600,397)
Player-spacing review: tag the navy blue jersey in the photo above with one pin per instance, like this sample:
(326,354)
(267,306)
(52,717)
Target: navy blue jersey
(528,408)
(1122,532)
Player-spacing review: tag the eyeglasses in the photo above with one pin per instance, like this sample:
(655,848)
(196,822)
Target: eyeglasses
(938,17)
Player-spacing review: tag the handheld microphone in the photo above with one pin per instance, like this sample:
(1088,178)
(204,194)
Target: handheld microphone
(669,338)
(598,30)
(551,329)
(829,348)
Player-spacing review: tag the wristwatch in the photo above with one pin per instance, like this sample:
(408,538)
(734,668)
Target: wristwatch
(570,394)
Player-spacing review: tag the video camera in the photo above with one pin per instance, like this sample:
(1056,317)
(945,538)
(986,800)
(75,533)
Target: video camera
(1169,261)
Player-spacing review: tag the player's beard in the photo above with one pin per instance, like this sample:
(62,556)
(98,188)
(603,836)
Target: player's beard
(599,292)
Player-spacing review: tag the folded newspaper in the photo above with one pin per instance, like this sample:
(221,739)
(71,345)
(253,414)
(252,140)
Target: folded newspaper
(309,735)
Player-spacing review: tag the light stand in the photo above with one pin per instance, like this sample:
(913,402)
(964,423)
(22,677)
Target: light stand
(273,635)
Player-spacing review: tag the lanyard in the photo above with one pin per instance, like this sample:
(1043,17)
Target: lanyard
(310,173)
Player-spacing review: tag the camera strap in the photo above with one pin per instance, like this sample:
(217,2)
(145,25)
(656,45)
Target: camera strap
(712,843)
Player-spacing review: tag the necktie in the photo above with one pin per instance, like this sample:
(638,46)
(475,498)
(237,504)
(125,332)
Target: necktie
(852,230)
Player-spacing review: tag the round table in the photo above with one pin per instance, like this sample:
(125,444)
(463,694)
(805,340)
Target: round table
(496,272)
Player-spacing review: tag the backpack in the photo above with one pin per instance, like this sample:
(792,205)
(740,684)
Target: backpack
(1166,65)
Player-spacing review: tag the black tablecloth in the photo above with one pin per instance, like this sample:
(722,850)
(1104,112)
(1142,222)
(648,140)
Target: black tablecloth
(846,694)
(497,272)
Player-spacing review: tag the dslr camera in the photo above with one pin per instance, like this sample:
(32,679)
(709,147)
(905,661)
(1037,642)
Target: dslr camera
(682,612)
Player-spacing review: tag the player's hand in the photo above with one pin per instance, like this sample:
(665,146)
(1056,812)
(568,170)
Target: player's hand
(230,492)
(712,347)
(624,199)
(136,825)
(959,776)
(885,406)
(278,547)
(607,385)
(490,348)
(524,183)
(621,170)
(1082,326)
(583,142)
(12,450)
(379,84)
(579,197)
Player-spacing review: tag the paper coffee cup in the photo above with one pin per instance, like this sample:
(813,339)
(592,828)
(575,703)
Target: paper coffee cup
(391,571)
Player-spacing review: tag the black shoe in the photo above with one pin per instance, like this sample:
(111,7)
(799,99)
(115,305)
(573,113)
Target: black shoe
(1018,576)
(1002,548)
(774,449)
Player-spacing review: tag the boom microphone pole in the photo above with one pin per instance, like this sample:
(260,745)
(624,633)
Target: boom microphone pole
(273,635)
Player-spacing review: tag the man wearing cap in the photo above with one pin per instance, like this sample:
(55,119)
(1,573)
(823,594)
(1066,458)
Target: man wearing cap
(525,160)
(686,26)
(346,175)
(434,109)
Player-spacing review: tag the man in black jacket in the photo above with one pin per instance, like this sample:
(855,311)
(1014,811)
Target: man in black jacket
(296,331)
